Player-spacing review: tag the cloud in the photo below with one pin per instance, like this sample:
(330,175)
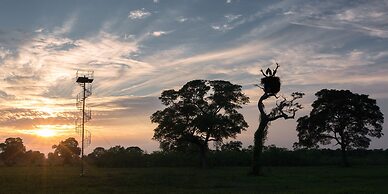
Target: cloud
(106,111)
(38,87)
(289,13)
(67,25)
(181,19)
(229,22)
(4,53)
(6,96)
(138,14)
(232,17)
(45,60)
(39,30)
(27,118)
(366,18)
(222,28)
(159,33)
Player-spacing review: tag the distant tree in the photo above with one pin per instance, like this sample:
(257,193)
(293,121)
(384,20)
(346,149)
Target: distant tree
(179,146)
(286,109)
(68,150)
(98,152)
(116,149)
(118,156)
(272,147)
(12,150)
(199,112)
(54,159)
(134,150)
(35,158)
(248,149)
(232,146)
(340,115)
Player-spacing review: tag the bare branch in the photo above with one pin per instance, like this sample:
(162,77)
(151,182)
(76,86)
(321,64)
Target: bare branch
(274,71)
(286,109)
(259,86)
(263,73)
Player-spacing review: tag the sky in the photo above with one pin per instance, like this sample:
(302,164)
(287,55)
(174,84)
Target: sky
(138,48)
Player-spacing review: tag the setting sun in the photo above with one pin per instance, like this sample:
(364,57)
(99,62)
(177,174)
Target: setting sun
(49,130)
(45,132)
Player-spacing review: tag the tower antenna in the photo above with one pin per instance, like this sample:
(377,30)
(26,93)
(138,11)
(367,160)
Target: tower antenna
(84,79)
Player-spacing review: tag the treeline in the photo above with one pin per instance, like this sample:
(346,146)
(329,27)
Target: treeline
(119,156)
(13,152)
(67,152)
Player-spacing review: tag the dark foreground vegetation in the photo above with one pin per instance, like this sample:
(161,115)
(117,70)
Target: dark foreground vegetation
(329,179)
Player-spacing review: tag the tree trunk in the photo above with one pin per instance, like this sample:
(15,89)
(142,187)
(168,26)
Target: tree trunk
(203,155)
(258,147)
(345,161)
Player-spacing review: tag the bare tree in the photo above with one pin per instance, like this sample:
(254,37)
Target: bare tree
(284,108)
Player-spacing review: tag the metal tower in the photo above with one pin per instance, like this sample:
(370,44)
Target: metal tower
(84,79)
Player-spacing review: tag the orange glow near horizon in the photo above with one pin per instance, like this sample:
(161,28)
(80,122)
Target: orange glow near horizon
(45,132)
(49,131)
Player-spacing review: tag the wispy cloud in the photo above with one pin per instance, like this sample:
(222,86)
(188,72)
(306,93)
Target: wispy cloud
(138,14)
(229,22)
(67,26)
(368,18)
(160,33)
(232,17)
(39,30)
(181,19)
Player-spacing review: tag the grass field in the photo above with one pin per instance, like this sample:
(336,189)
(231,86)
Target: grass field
(365,179)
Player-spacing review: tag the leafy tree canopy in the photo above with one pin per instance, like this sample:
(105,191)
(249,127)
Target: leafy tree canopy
(232,146)
(199,112)
(68,150)
(347,118)
(12,150)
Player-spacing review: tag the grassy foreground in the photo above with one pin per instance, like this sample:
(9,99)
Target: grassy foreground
(365,179)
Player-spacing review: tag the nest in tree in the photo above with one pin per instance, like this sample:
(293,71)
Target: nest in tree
(271,84)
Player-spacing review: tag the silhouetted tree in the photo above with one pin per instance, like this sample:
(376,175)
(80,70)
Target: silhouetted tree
(234,146)
(134,151)
(118,156)
(178,146)
(199,112)
(116,149)
(68,150)
(54,159)
(98,152)
(284,108)
(34,158)
(12,150)
(342,116)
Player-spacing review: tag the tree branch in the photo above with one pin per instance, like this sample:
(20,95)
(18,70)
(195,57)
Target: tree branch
(336,138)
(263,73)
(283,115)
(290,106)
(260,104)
